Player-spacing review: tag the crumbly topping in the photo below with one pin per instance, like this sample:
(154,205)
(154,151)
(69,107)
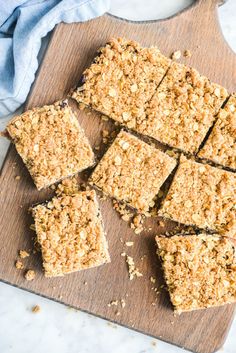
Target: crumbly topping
(23,254)
(122,79)
(30,275)
(200,270)
(70,232)
(137,224)
(68,186)
(203,196)
(51,143)
(132,171)
(133,271)
(178,111)
(220,146)
(36,309)
(19,265)
(182,109)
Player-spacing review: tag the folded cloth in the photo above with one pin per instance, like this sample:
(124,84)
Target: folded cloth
(23,23)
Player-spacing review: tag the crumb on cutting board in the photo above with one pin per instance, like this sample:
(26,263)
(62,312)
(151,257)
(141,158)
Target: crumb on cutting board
(30,275)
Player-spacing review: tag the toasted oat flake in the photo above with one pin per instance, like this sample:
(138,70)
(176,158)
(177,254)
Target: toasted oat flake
(70,232)
(51,143)
(220,146)
(212,195)
(132,175)
(122,80)
(200,270)
(36,309)
(30,275)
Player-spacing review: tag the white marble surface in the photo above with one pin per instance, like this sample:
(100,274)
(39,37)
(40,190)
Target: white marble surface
(60,329)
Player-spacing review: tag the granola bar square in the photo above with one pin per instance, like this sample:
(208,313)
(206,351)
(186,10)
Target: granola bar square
(122,80)
(51,143)
(132,171)
(70,233)
(182,109)
(220,146)
(203,196)
(200,270)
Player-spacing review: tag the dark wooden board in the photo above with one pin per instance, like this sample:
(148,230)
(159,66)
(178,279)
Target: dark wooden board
(71,49)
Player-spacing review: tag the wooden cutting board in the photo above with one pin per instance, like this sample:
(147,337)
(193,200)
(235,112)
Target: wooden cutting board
(71,49)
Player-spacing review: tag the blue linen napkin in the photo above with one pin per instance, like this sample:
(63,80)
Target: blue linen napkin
(23,23)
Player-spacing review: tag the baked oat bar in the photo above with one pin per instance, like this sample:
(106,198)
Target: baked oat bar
(122,80)
(200,270)
(182,109)
(203,196)
(51,143)
(220,146)
(132,171)
(70,232)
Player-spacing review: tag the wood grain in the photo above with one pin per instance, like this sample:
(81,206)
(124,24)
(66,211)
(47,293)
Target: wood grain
(71,49)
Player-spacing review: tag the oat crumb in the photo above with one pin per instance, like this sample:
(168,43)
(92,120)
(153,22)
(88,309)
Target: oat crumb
(23,254)
(137,224)
(19,265)
(113,302)
(30,275)
(176,55)
(36,309)
(32,227)
(187,53)
(17,177)
(153,279)
(122,301)
(129,243)
(133,271)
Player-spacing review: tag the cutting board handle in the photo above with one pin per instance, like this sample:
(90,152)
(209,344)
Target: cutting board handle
(201,6)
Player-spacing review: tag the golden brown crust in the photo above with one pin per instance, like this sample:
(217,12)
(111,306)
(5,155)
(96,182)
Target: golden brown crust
(51,143)
(183,108)
(203,196)
(220,146)
(200,270)
(132,171)
(122,80)
(70,232)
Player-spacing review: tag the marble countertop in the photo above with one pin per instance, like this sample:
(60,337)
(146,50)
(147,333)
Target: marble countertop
(57,328)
